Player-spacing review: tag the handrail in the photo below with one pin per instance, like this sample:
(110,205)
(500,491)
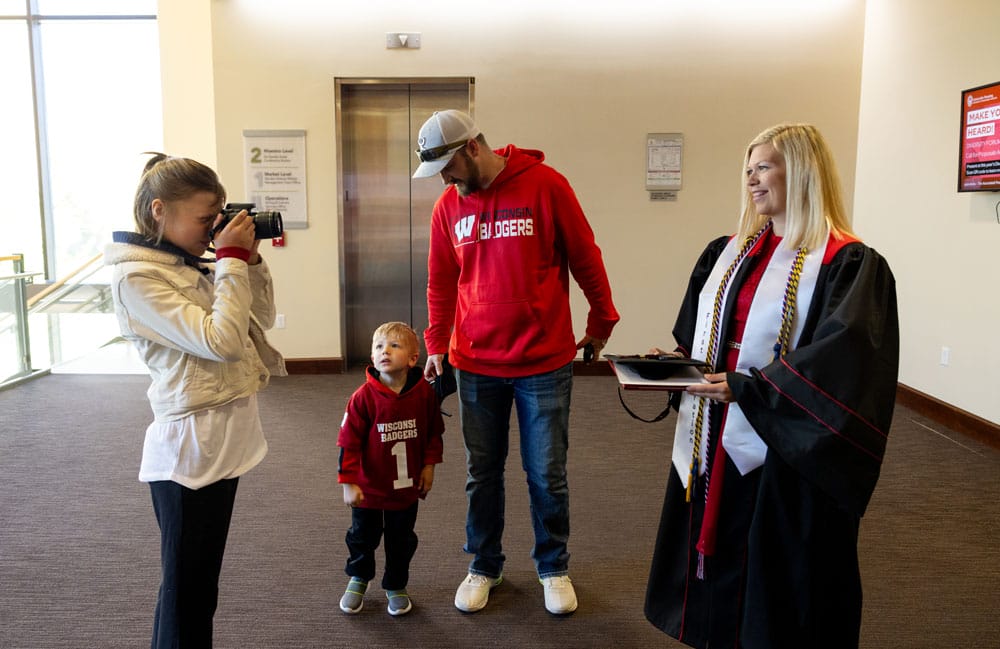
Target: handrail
(60,282)
(20,314)
(19,275)
(42,301)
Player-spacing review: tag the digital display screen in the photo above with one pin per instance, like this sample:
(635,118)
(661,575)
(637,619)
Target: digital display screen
(979,149)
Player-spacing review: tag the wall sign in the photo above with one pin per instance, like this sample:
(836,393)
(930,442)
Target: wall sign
(274,167)
(979,142)
(663,161)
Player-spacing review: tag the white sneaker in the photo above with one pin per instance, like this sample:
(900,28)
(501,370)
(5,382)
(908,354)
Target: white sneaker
(560,598)
(474,592)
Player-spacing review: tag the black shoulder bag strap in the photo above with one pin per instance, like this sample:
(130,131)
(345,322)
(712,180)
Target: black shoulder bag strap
(666,411)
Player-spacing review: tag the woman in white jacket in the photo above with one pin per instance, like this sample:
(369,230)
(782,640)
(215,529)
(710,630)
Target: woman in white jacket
(198,325)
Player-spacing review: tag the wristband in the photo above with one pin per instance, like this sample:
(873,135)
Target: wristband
(232,251)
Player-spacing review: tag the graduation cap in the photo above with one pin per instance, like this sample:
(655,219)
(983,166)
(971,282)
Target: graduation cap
(655,367)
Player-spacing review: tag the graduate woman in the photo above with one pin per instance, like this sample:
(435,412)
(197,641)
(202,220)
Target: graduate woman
(775,460)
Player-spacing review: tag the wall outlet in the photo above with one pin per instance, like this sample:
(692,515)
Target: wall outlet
(945,355)
(279,321)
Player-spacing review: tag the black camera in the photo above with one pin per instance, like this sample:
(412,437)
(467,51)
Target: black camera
(266,225)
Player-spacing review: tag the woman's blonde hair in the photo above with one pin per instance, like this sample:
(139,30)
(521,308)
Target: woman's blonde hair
(814,204)
(170,179)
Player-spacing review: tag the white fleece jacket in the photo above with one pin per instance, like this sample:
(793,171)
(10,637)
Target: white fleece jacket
(201,335)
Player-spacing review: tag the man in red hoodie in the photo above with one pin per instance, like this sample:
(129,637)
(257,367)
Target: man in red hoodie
(505,235)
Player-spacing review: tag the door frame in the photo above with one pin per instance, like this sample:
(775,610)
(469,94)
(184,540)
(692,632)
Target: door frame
(340,83)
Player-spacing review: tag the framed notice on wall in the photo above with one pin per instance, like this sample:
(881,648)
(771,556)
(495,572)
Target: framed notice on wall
(979,142)
(274,167)
(663,161)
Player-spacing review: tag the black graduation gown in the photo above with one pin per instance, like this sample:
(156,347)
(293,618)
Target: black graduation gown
(785,570)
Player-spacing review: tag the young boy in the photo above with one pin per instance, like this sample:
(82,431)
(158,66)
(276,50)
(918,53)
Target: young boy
(390,440)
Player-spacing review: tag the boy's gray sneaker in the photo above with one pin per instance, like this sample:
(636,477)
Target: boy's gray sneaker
(399,602)
(354,596)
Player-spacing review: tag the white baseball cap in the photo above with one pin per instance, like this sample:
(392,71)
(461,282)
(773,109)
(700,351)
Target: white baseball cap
(440,138)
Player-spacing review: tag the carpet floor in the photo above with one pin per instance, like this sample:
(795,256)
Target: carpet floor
(79,556)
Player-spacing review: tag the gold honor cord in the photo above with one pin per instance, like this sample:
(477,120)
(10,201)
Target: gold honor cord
(713,341)
(788,308)
(789,302)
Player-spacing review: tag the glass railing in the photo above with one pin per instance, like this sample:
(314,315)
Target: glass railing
(15,342)
(43,326)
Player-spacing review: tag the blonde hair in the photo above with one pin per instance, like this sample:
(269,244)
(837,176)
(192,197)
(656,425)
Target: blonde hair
(401,331)
(170,179)
(814,206)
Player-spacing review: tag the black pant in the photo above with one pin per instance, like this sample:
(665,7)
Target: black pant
(194,525)
(367,527)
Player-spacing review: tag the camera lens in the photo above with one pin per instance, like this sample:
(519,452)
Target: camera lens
(267,225)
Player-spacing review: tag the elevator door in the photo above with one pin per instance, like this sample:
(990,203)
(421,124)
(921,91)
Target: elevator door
(386,213)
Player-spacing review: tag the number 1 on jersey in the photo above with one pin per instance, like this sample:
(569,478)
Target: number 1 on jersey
(399,450)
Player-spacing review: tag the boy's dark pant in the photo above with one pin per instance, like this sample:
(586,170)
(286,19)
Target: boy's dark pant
(194,525)
(367,527)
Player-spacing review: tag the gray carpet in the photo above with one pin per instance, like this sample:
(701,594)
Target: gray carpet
(79,544)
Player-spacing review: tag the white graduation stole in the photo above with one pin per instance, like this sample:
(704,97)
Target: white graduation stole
(741,442)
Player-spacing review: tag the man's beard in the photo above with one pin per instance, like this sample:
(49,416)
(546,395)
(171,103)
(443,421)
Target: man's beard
(469,185)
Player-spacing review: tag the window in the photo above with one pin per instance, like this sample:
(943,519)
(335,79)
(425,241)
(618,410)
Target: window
(102,110)
(80,83)
(81,88)
(19,214)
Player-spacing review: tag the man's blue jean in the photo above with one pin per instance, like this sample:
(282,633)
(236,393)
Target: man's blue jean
(542,403)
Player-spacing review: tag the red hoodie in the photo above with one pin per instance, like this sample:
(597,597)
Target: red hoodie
(499,264)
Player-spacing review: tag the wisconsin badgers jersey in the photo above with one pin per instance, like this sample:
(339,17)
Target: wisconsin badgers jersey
(386,440)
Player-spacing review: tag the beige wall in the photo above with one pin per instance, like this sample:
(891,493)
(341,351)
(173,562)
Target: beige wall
(918,57)
(584,82)
(188,78)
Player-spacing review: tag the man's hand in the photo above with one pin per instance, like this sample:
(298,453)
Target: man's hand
(597,343)
(434,369)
